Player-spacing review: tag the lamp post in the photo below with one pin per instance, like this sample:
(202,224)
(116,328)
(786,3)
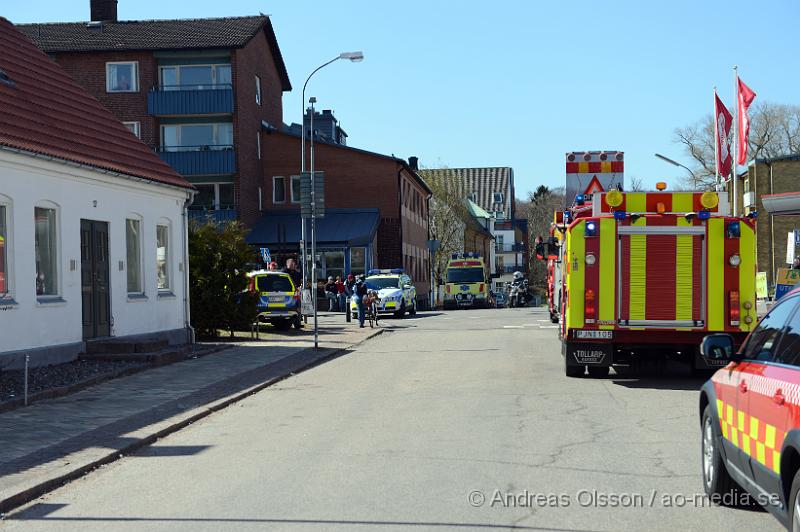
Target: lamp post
(675,163)
(355,57)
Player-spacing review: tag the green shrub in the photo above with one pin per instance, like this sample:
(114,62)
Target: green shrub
(218,266)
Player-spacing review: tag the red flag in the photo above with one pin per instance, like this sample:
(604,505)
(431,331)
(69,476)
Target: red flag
(722,128)
(746,97)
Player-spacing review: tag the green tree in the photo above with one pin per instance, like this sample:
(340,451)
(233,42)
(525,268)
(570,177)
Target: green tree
(219,260)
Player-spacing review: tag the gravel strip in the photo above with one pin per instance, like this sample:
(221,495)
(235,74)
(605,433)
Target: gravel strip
(47,377)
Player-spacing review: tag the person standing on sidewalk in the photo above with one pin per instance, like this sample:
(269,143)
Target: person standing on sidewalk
(360,294)
(291,269)
(330,293)
(349,292)
(340,297)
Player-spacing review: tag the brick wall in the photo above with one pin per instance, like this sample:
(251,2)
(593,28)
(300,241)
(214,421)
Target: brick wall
(253,60)
(89,70)
(356,179)
(771,231)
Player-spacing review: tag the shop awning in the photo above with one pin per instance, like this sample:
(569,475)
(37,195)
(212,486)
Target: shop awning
(344,227)
(787,203)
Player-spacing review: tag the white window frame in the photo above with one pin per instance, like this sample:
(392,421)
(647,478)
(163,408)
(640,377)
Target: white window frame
(217,202)
(258,144)
(45,298)
(140,243)
(258,90)
(8,252)
(179,136)
(291,188)
(134,81)
(136,129)
(167,257)
(214,82)
(274,181)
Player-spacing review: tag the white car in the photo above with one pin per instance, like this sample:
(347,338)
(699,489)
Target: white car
(396,292)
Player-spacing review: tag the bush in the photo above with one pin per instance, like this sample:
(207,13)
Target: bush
(218,266)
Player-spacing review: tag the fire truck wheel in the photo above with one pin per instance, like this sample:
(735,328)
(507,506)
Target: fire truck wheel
(573,371)
(553,318)
(597,372)
(716,480)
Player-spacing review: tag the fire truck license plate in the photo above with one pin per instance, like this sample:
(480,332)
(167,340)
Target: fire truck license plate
(594,335)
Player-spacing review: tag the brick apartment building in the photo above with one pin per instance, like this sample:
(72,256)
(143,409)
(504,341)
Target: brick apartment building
(377,207)
(196,91)
(779,175)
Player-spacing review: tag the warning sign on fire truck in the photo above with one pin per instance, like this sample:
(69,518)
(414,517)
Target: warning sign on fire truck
(593,171)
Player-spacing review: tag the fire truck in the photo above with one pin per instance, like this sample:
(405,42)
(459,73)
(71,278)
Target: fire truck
(635,275)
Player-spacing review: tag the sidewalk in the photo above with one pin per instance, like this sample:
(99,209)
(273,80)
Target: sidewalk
(54,441)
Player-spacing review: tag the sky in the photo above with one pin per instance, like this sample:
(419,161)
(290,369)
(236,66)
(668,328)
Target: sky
(511,83)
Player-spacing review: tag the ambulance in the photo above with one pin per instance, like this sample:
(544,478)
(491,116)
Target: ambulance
(466,285)
(644,274)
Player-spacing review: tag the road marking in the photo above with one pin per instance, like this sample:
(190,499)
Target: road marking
(548,326)
(513,326)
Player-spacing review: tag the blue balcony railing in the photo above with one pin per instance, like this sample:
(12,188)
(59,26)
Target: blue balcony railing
(200,160)
(190,100)
(214,215)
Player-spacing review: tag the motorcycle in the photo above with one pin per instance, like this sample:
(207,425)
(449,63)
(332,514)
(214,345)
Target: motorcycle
(519,295)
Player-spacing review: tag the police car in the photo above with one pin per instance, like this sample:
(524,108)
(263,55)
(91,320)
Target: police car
(750,415)
(278,298)
(395,290)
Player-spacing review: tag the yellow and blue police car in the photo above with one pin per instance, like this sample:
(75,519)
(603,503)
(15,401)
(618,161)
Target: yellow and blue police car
(279,298)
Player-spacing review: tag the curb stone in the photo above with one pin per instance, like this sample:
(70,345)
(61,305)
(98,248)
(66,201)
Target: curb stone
(41,488)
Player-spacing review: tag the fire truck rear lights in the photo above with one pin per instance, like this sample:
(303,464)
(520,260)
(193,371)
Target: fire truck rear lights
(747,305)
(620,215)
(661,185)
(748,319)
(580,199)
(590,259)
(614,198)
(734,260)
(733,230)
(709,199)
(661,208)
(591,228)
(589,299)
(733,301)
(704,215)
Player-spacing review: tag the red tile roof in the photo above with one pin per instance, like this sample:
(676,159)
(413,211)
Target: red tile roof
(42,110)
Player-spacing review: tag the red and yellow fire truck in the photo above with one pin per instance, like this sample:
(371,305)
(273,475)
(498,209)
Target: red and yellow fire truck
(637,274)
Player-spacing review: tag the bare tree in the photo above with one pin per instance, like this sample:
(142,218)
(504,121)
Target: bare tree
(774,131)
(635,184)
(542,205)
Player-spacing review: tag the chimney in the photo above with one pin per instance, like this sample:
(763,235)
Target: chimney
(103,10)
(413,163)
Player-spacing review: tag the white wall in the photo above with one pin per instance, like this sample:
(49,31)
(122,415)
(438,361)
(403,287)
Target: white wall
(26,181)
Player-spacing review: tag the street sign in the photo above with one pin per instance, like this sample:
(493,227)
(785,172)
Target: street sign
(790,245)
(785,280)
(319,194)
(265,256)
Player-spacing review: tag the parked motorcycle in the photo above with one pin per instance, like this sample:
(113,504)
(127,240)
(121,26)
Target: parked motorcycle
(520,294)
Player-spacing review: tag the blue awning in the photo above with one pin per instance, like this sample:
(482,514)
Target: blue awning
(345,227)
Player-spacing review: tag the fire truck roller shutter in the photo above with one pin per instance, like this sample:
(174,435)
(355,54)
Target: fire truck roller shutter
(637,284)
(686,308)
(747,275)
(716,274)
(577,268)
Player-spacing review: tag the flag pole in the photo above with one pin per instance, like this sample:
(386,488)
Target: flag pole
(716,142)
(735,139)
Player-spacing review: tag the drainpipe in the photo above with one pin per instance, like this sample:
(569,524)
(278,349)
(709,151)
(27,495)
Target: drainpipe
(186,309)
(771,226)
(400,209)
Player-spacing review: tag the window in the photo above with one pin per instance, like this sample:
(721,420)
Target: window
(498,197)
(46,252)
(4,289)
(278,190)
(162,256)
(133,244)
(195,77)
(134,127)
(258,90)
(296,189)
(761,343)
(197,137)
(214,196)
(122,77)
(789,348)
(358,260)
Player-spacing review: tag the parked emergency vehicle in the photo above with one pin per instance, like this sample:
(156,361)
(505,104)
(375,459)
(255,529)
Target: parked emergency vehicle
(466,284)
(750,415)
(646,273)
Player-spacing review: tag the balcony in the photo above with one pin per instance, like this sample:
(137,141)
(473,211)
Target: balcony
(200,160)
(175,100)
(202,215)
(519,247)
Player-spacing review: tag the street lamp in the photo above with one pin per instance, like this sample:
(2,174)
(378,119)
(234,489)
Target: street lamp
(355,57)
(676,163)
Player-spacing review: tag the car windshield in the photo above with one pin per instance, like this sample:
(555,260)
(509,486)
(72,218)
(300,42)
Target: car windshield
(465,275)
(377,283)
(274,283)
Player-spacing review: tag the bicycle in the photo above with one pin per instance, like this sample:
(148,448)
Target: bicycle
(371,306)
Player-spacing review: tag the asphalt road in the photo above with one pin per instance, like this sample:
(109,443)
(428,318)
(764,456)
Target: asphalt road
(460,421)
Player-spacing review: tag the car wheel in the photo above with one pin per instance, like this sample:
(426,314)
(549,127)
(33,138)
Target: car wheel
(282,325)
(298,323)
(413,310)
(716,479)
(794,504)
(402,312)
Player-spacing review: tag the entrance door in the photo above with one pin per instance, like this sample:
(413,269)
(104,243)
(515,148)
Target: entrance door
(94,279)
